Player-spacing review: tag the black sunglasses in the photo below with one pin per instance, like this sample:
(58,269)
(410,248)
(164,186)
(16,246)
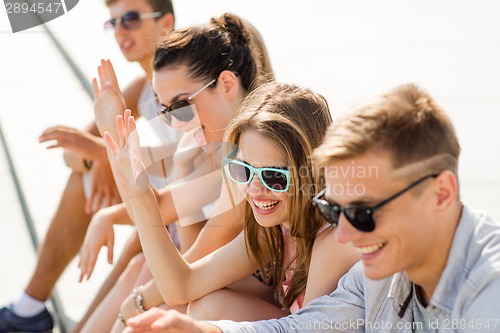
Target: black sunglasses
(130,20)
(360,217)
(182,110)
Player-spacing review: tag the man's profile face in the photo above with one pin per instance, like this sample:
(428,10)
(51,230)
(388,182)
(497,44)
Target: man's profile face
(136,44)
(403,228)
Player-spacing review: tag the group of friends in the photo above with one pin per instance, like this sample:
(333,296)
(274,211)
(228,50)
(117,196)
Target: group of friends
(258,213)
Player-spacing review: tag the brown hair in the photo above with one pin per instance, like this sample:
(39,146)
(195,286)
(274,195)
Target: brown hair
(405,121)
(296,120)
(207,50)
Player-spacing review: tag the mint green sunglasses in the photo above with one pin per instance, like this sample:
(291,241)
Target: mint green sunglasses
(275,179)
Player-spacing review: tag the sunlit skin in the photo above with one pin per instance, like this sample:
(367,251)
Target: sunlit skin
(259,151)
(139,45)
(401,240)
(213,106)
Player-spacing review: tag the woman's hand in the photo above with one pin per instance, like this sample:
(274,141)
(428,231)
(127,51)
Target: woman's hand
(158,320)
(129,171)
(108,99)
(99,233)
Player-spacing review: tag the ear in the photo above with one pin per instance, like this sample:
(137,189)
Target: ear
(446,190)
(230,84)
(167,21)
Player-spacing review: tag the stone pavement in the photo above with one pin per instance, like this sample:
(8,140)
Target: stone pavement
(346,50)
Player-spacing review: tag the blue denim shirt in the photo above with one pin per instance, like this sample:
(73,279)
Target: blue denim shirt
(466,299)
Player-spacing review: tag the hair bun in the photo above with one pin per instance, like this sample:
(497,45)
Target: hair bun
(233,25)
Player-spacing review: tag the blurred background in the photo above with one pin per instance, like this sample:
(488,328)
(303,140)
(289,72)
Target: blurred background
(345,50)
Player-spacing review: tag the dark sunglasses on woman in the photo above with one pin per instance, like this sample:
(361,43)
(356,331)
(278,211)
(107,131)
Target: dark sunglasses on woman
(130,20)
(360,217)
(182,109)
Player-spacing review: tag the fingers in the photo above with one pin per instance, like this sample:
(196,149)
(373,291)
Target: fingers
(98,200)
(95,88)
(82,262)
(90,200)
(110,243)
(100,71)
(110,74)
(89,267)
(122,132)
(110,143)
(145,319)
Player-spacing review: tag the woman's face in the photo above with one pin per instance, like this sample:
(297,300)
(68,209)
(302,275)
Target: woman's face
(211,108)
(269,207)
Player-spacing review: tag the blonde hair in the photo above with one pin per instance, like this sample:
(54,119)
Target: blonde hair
(406,122)
(296,120)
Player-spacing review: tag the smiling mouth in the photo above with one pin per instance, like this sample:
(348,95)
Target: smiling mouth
(126,45)
(371,249)
(265,205)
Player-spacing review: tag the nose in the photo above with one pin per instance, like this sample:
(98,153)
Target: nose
(119,29)
(345,232)
(255,187)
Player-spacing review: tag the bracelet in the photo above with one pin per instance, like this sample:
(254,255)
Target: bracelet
(122,319)
(138,299)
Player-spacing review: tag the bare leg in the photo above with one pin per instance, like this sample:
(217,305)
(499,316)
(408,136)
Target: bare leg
(63,240)
(229,304)
(132,247)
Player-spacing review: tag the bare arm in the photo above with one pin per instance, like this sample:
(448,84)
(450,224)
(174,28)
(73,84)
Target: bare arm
(217,232)
(186,281)
(325,273)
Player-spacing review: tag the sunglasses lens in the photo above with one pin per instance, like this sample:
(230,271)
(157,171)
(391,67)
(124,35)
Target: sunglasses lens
(276,180)
(360,218)
(165,115)
(131,21)
(182,111)
(109,24)
(239,173)
(329,212)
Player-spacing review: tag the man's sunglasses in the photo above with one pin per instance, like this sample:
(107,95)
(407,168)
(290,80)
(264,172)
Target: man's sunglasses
(182,109)
(360,217)
(275,179)
(130,20)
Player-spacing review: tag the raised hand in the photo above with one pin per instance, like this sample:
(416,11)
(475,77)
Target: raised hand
(108,99)
(99,233)
(129,171)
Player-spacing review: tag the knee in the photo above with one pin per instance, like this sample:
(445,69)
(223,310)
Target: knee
(209,307)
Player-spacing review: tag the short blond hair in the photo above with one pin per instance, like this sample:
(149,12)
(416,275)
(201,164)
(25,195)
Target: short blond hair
(404,121)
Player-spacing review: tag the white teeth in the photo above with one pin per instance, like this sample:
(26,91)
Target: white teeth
(127,44)
(265,205)
(370,249)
